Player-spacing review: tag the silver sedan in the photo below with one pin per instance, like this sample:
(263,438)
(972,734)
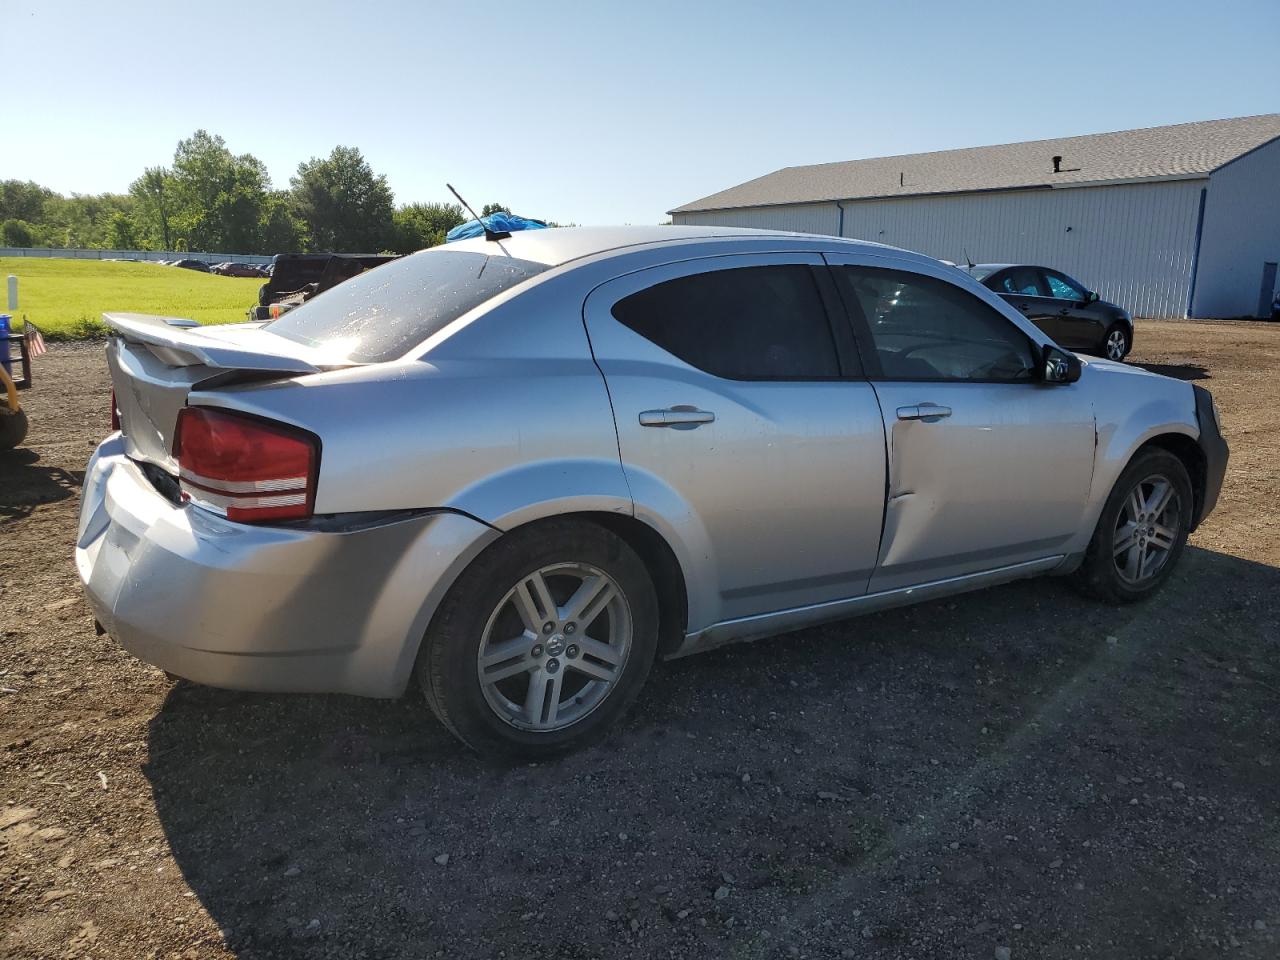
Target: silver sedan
(513,472)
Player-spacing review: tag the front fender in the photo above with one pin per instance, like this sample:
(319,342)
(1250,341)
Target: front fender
(1132,407)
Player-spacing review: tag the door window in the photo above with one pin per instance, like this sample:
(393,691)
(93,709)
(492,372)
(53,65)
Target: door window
(747,323)
(922,328)
(1063,287)
(1022,280)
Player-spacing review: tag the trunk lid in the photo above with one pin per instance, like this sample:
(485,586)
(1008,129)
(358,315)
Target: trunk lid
(156,361)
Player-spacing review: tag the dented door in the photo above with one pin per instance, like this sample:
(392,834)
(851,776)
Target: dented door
(1001,478)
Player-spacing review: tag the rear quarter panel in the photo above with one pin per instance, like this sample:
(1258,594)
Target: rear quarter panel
(507,419)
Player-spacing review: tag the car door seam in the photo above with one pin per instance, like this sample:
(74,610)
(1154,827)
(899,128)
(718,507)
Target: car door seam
(888,466)
(613,412)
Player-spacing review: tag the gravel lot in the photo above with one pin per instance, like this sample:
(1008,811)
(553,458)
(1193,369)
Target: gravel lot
(1015,769)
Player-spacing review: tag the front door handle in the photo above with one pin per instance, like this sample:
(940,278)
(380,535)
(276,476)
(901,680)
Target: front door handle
(678,416)
(923,411)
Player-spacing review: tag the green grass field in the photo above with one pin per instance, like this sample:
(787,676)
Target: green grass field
(66,298)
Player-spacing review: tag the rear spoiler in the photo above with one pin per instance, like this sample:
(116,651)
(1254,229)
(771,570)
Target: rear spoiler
(181,343)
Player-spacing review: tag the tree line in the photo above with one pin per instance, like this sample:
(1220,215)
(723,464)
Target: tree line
(210,199)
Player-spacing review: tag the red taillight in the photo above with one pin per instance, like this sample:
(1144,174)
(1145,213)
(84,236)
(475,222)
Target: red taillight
(247,469)
(115,413)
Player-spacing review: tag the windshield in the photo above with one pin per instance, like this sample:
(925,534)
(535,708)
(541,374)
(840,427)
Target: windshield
(384,312)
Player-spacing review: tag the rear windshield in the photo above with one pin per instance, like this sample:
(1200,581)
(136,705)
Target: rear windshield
(382,313)
(981,271)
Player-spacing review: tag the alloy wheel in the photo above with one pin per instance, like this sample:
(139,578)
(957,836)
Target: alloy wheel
(1146,529)
(1116,343)
(554,647)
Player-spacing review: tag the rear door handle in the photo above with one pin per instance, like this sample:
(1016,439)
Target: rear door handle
(923,411)
(677,416)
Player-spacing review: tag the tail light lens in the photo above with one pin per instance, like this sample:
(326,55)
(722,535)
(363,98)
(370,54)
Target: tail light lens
(247,469)
(115,413)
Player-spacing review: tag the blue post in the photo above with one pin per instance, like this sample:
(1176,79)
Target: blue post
(4,343)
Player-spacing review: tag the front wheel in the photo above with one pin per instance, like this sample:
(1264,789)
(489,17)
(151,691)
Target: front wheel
(543,642)
(1142,530)
(13,428)
(1117,343)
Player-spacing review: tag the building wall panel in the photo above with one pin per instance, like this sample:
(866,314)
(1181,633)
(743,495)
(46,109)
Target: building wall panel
(1133,243)
(1241,235)
(801,218)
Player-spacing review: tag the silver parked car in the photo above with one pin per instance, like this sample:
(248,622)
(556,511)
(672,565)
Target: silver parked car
(516,471)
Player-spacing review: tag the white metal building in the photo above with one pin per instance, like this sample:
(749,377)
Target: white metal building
(1167,221)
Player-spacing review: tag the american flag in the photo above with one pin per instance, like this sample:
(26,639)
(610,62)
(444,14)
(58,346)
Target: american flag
(35,340)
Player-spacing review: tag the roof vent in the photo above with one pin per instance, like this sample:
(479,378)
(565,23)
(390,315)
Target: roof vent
(1057,164)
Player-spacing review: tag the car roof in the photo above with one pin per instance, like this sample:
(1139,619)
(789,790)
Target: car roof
(558,245)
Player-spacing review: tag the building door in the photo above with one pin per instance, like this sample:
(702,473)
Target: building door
(1267,293)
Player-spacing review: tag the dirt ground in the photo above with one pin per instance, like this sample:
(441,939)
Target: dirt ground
(1017,768)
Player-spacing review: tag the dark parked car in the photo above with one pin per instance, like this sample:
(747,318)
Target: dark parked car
(198,265)
(233,268)
(1073,315)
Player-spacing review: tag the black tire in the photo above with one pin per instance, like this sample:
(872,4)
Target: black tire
(447,663)
(1099,575)
(13,429)
(1125,332)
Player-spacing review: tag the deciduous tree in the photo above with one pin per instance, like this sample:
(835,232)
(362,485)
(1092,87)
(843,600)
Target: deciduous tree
(347,208)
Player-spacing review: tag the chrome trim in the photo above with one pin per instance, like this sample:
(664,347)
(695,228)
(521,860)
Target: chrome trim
(796,618)
(213,501)
(243,486)
(675,416)
(923,411)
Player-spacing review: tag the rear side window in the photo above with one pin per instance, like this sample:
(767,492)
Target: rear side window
(1023,280)
(381,314)
(747,323)
(922,328)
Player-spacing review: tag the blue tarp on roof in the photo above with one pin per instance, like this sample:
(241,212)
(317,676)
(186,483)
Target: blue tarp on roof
(499,222)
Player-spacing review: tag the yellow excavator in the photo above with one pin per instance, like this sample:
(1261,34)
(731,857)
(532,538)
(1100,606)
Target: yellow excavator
(13,420)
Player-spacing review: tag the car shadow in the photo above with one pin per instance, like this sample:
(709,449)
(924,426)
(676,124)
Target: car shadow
(335,825)
(25,484)
(1179,371)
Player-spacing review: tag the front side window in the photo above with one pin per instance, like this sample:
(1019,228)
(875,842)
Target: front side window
(383,313)
(746,323)
(922,328)
(1063,287)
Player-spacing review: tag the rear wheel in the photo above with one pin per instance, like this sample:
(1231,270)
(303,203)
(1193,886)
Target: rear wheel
(1117,343)
(543,642)
(1142,530)
(13,428)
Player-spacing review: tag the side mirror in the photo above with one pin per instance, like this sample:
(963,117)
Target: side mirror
(1092,297)
(1058,366)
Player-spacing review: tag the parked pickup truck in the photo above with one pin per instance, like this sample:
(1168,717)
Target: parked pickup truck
(297,277)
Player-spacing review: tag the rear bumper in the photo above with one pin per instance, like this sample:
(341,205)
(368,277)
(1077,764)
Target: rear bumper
(1214,447)
(262,608)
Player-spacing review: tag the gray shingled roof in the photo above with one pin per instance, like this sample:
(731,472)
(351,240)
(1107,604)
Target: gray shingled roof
(1182,150)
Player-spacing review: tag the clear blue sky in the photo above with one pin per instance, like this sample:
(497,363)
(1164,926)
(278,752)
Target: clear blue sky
(605,112)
